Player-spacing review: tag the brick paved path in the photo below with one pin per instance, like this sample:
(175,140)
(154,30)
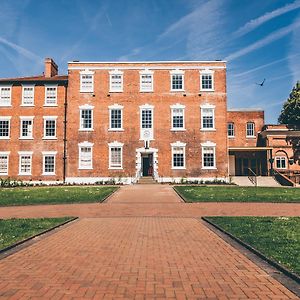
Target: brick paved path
(137,257)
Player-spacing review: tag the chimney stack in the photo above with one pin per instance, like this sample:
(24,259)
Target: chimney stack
(51,68)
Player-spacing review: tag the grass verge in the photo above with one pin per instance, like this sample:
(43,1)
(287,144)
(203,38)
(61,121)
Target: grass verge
(54,195)
(15,230)
(278,238)
(237,194)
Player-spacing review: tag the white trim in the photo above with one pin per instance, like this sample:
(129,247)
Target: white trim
(207,106)
(146,72)
(56,90)
(86,107)
(111,74)
(5,153)
(149,62)
(146,106)
(178,144)
(33,92)
(111,145)
(85,144)
(49,118)
(26,118)
(86,72)
(174,73)
(10,95)
(25,153)
(115,107)
(49,153)
(6,118)
(212,145)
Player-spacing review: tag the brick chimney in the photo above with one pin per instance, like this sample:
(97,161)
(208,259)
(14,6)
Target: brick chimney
(51,68)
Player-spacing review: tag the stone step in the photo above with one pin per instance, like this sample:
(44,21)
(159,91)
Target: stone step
(146,180)
(264,181)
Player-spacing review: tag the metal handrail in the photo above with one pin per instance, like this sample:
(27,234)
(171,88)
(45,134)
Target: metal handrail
(252,177)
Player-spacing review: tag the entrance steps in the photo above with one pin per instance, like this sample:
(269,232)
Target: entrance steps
(263,181)
(146,180)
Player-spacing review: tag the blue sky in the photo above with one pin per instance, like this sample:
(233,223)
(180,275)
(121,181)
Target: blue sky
(259,39)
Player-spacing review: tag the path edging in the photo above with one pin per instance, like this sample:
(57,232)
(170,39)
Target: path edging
(36,235)
(256,252)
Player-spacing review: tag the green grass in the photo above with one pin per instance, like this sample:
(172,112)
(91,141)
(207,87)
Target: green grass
(276,237)
(238,194)
(14,230)
(53,195)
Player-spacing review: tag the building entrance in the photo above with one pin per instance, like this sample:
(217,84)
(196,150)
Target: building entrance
(147,164)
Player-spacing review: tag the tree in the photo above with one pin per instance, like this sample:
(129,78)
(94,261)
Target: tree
(290,113)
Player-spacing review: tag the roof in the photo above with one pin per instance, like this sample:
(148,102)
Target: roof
(148,62)
(38,78)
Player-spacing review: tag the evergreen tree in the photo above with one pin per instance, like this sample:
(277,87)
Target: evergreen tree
(290,113)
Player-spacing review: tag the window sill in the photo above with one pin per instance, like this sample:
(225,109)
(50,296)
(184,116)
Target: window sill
(115,129)
(177,90)
(209,168)
(48,174)
(177,129)
(80,168)
(82,129)
(49,138)
(27,105)
(115,168)
(208,129)
(87,92)
(146,91)
(5,105)
(231,137)
(26,138)
(24,174)
(4,138)
(3,174)
(207,90)
(250,137)
(178,168)
(50,105)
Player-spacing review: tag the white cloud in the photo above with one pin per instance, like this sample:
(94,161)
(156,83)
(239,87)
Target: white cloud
(25,52)
(253,24)
(294,49)
(265,41)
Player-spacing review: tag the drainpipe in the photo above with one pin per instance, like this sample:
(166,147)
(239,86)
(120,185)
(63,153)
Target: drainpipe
(65,135)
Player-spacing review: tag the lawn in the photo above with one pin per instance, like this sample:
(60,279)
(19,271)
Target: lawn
(53,195)
(277,238)
(14,230)
(238,194)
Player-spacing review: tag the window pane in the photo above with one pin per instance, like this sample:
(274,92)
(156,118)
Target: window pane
(206,81)
(26,128)
(178,157)
(86,157)
(4,128)
(25,164)
(146,82)
(178,117)
(86,83)
(116,82)
(146,118)
(207,118)
(116,157)
(177,82)
(50,128)
(230,129)
(5,96)
(250,129)
(86,119)
(3,164)
(28,95)
(116,118)
(49,164)
(50,95)
(208,157)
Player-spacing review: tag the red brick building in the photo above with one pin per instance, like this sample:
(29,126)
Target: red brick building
(32,114)
(121,121)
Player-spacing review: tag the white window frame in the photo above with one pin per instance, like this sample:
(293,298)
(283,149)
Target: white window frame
(26,118)
(8,103)
(233,130)
(45,154)
(85,90)
(110,109)
(50,118)
(280,159)
(146,73)
(115,144)
(176,72)
(207,72)
(25,153)
(175,145)
(5,153)
(46,94)
(4,118)
(86,107)
(85,145)
(212,145)
(151,130)
(250,136)
(173,107)
(112,89)
(25,86)
(212,107)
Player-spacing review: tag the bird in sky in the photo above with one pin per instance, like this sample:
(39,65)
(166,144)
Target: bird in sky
(262,83)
